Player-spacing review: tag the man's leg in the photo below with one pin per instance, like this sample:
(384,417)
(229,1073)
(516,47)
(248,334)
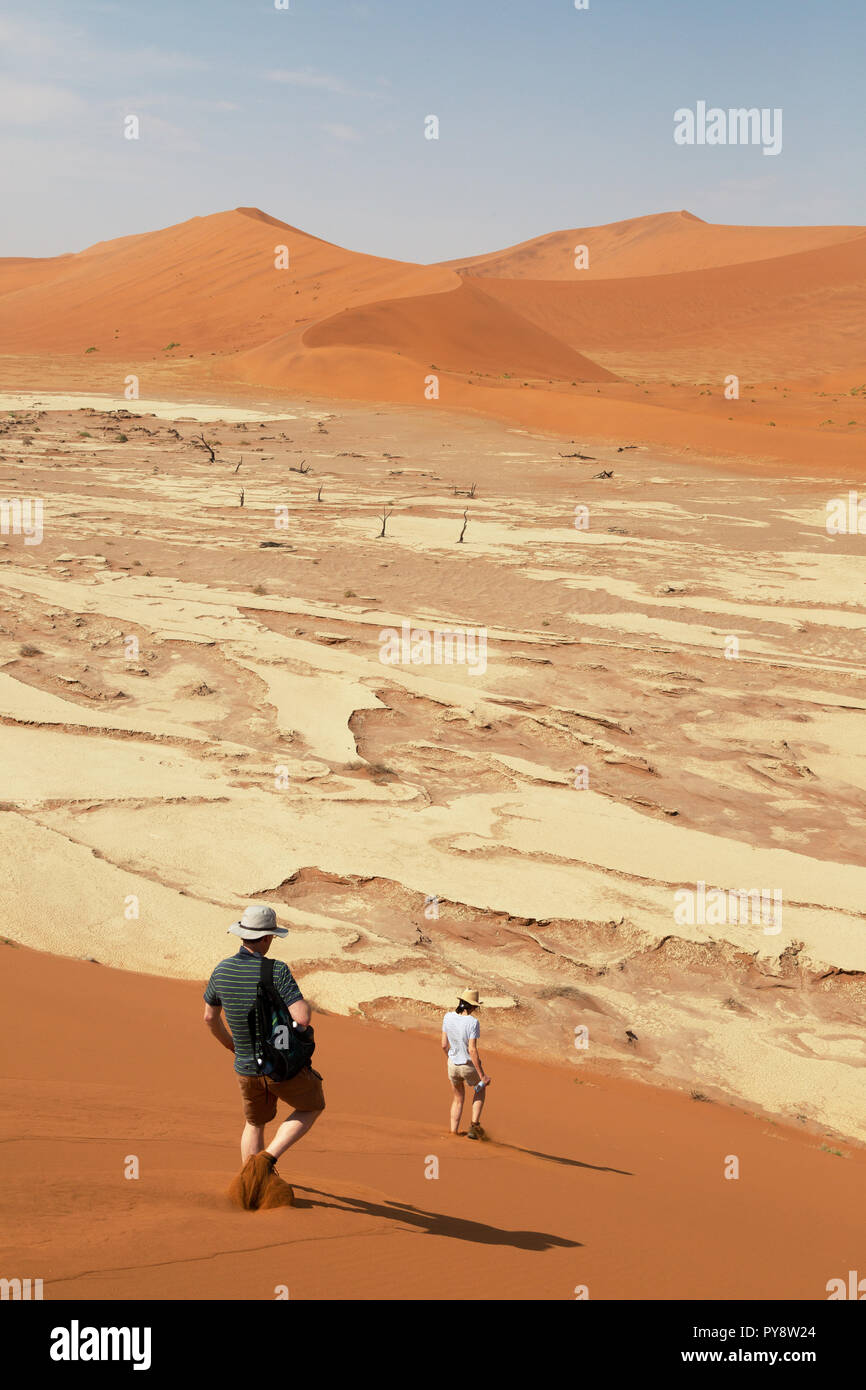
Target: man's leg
(252,1140)
(456,1105)
(291,1130)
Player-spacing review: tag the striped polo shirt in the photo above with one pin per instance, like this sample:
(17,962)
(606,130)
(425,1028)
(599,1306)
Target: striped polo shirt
(233,985)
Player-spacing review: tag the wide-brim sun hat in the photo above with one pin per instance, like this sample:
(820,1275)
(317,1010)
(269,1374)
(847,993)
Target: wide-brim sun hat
(256,921)
(470,996)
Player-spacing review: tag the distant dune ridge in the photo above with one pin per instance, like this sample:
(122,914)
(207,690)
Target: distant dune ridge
(661,244)
(658,300)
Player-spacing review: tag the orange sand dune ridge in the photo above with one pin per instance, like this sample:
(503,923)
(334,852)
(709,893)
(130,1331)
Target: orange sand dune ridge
(642,343)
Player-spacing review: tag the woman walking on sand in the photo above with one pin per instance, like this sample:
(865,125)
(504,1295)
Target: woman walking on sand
(460,1034)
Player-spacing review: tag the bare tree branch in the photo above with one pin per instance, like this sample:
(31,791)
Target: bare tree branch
(202,443)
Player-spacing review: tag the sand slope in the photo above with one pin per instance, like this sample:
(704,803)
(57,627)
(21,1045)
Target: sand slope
(792,315)
(461,330)
(614,1187)
(208,284)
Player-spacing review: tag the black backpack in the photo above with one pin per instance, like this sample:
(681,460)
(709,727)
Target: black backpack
(280,1048)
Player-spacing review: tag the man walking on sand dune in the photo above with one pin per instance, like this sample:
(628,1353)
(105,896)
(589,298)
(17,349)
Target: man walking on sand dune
(233,987)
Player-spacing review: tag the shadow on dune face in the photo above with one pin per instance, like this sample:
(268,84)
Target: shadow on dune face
(555,1158)
(434,1223)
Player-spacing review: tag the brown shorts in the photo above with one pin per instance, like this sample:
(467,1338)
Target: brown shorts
(463,1071)
(303,1092)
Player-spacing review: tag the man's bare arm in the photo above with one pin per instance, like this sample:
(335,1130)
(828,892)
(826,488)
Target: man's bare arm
(301,1012)
(446,1046)
(213,1017)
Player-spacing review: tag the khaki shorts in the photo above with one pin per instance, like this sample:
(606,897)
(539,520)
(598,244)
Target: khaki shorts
(463,1071)
(303,1092)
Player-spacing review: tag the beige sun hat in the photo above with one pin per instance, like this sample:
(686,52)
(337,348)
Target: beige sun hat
(256,921)
(470,996)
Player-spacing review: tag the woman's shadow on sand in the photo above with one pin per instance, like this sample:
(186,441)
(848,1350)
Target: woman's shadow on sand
(558,1158)
(434,1223)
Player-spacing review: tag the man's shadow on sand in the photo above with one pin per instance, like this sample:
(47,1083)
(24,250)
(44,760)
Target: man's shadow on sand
(434,1223)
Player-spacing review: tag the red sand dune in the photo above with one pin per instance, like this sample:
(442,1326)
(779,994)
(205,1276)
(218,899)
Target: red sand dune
(19,272)
(605,1183)
(460,330)
(792,314)
(656,245)
(520,334)
(208,284)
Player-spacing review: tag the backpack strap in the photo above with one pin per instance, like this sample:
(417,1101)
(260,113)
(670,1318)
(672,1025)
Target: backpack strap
(256,1017)
(266,973)
(269,989)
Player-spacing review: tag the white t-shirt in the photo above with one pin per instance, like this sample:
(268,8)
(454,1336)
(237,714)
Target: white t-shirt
(458,1029)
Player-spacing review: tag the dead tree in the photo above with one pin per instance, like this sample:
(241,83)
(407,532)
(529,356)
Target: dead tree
(300,468)
(605,473)
(242,496)
(239,465)
(202,443)
(463,532)
(319,493)
(385,515)
(465,491)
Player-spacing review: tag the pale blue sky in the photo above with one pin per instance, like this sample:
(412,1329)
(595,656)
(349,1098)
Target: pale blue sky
(549,117)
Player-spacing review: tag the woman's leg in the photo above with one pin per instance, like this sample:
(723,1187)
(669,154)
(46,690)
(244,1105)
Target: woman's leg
(478,1104)
(456,1105)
